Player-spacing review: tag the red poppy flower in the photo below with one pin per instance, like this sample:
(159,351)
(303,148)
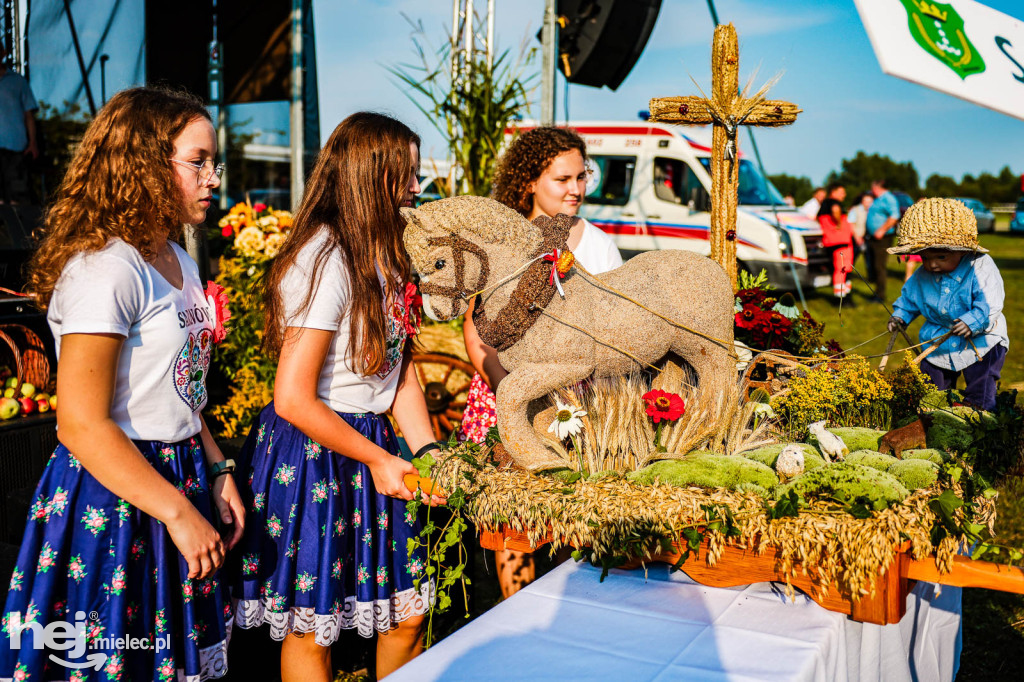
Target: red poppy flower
(749,317)
(217,299)
(227,231)
(664,405)
(259,208)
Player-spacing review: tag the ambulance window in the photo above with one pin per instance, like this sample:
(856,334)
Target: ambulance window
(670,180)
(613,178)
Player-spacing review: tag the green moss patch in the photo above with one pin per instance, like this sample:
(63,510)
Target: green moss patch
(848,483)
(915,473)
(871,458)
(855,437)
(709,471)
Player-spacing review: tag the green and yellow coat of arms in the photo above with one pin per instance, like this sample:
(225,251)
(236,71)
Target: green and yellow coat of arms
(939,30)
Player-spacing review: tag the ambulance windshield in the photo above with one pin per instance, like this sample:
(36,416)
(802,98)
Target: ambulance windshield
(755,190)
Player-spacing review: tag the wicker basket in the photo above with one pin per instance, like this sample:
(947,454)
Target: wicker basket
(30,364)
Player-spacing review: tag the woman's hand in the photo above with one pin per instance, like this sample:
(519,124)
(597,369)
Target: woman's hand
(389,476)
(198,542)
(229,507)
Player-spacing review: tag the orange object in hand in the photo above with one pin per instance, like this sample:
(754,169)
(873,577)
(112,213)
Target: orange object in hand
(414,483)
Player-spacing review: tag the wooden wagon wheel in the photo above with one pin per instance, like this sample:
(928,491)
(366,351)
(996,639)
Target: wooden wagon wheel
(777,366)
(445,389)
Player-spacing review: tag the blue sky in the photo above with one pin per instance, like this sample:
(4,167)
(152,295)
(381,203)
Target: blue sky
(820,47)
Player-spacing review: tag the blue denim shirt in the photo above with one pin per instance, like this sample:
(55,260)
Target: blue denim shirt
(973,292)
(883,208)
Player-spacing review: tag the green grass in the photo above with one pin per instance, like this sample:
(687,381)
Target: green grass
(860,322)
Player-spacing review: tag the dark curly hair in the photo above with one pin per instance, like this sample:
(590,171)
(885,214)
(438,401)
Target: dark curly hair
(526,158)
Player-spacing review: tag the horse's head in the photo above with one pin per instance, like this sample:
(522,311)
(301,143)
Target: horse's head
(460,245)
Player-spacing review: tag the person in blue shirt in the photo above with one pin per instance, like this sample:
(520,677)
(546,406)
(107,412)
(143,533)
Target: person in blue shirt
(17,133)
(958,289)
(881,226)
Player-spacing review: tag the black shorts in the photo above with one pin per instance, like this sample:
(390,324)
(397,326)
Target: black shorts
(14,185)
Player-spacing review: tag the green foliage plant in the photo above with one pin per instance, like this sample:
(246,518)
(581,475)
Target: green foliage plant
(472,107)
(436,540)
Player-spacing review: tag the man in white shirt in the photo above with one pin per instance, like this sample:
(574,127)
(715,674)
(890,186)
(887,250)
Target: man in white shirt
(812,205)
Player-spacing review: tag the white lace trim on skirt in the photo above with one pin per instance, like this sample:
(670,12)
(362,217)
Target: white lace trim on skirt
(365,617)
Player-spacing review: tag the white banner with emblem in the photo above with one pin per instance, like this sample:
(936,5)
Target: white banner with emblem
(960,47)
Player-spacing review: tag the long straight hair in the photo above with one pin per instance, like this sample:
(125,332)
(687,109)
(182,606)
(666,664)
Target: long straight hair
(119,184)
(354,193)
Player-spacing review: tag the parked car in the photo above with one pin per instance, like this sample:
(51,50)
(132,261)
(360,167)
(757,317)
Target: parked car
(1017,224)
(986,220)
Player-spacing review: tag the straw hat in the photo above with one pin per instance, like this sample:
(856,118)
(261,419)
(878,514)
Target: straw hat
(937,224)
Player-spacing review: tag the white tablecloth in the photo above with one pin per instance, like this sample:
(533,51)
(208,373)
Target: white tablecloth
(569,626)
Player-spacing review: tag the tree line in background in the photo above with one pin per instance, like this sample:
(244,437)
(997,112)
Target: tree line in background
(857,174)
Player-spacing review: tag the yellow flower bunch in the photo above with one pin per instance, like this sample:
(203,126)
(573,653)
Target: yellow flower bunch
(847,393)
(258,230)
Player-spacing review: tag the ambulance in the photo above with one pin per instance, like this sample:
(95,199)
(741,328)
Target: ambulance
(649,188)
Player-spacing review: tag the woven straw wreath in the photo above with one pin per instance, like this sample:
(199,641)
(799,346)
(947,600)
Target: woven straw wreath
(937,224)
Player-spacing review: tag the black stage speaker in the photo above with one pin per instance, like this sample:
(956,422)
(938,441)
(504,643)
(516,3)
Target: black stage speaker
(600,40)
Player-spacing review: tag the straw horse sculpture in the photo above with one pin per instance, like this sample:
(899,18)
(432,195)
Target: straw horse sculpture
(467,245)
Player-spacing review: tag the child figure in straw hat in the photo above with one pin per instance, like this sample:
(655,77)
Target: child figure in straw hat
(958,289)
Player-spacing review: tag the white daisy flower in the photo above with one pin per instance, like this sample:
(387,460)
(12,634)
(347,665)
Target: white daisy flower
(567,421)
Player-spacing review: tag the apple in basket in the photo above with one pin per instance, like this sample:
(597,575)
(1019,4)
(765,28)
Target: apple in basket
(53,402)
(8,392)
(28,390)
(9,408)
(11,382)
(42,402)
(28,406)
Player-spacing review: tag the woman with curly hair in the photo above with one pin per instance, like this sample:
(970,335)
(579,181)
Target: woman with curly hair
(121,540)
(543,173)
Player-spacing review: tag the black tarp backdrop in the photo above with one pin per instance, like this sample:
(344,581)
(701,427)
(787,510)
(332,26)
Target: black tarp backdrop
(256,40)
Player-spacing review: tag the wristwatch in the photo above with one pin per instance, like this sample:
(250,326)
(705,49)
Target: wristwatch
(433,445)
(223,467)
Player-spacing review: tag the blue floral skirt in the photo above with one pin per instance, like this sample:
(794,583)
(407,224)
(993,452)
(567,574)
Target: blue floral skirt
(323,551)
(90,559)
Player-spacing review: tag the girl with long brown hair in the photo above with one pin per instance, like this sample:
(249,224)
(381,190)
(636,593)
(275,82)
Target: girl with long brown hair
(326,548)
(120,540)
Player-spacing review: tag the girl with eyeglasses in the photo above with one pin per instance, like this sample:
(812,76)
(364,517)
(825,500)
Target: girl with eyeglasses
(121,539)
(326,545)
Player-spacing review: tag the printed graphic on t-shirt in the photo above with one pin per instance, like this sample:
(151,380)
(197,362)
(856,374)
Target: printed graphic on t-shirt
(396,339)
(191,366)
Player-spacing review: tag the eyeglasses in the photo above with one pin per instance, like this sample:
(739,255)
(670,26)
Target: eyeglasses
(204,171)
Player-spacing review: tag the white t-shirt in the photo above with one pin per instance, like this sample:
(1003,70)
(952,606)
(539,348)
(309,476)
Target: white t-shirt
(810,208)
(340,386)
(160,387)
(596,251)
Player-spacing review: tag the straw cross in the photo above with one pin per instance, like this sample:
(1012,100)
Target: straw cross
(727,109)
